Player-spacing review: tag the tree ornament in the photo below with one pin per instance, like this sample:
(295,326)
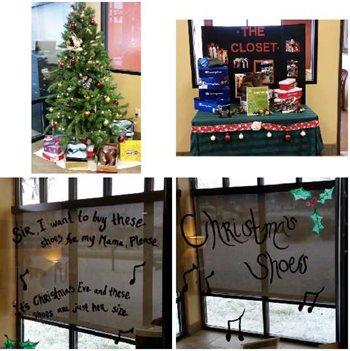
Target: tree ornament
(87,114)
(51,109)
(73,61)
(98,85)
(74,43)
(61,64)
(53,125)
(87,97)
(68,104)
(227,137)
(121,139)
(69,89)
(269,135)
(85,82)
(240,136)
(287,138)
(92,22)
(73,26)
(107,99)
(303,133)
(116,102)
(212,137)
(106,122)
(59,85)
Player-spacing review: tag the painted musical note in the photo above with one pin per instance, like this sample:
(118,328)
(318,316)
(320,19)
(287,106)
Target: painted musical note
(25,286)
(315,294)
(206,281)
(120,332)
(240,334)
(185,288)
(133,279)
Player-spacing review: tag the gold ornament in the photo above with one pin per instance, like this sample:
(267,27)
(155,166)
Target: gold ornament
(87,113)
(107,99)
(60,85)
(50,109)
(87,98)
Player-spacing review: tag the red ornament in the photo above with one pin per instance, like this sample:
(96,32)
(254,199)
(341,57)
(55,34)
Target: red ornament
(121,139)
(116,102)
(73,26)
(227,137)
(92,22)
(287,138)
(98,85)
(53,125)
(73,61)
(61,64)
(68,104)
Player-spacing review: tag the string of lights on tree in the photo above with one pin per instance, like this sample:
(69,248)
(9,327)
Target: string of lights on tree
(84,101)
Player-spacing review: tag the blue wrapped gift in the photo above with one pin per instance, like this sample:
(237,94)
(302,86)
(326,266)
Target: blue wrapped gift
(213,83)
(210,105)
(213,72)
(214,94)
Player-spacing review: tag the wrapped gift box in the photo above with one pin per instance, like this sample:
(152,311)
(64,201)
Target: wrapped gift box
(210,105)
(287,84)
(213,83)
(51,144)
(218,72)
(286,94)
(52,156)
(130,150)
(214,94)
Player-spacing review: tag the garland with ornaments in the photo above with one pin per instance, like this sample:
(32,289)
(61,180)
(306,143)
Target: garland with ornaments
(254,126)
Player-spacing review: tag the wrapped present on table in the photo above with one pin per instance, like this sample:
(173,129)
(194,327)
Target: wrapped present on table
(52,149)
(107,158)
(130,150)
(211,105)
(287,84)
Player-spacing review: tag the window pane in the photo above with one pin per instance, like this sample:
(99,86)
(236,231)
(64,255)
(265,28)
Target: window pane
(57,189)
(220,310)
(279,180)
(127,184)
(49,337)
(124,35)
(158,183)
(246,181)
(205,183)
(316,179)
(88,341)
(89,187)
(30,191)
(287,321)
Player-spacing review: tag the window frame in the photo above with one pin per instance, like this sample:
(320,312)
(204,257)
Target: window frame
(104,29)
(106,199)
(341,273)
(314,51)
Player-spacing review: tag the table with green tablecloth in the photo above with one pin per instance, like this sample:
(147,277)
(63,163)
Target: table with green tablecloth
(279,134)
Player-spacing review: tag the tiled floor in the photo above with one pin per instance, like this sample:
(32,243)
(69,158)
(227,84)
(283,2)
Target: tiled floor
(205,339)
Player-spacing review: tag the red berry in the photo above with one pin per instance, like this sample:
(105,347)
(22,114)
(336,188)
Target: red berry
(288,138)
(98,85)
(227,137)
(73,26)
(92,22)
(116,102)
(73,61)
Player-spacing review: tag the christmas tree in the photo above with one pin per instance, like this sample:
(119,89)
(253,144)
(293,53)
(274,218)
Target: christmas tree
(83,99)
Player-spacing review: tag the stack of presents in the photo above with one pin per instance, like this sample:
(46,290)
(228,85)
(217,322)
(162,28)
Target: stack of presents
(82,155)
(214,91)
(288,97)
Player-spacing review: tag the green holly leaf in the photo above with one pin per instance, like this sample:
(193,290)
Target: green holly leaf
(301,194)
(9,343)
(28,344)
(326,195)
(317,221)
